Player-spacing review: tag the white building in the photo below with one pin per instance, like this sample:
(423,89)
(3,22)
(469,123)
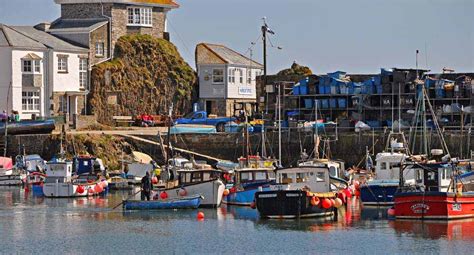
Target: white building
(227,80)
(40,74)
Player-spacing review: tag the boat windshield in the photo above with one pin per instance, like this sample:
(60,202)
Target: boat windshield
(197,176)
(248,176)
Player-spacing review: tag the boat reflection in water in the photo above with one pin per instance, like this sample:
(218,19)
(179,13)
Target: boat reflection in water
(450,230)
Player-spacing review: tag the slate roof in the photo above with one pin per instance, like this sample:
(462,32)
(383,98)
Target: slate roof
(32,38)
(11,37)
(46,39)
(162,3)
(230,56)
(76,25)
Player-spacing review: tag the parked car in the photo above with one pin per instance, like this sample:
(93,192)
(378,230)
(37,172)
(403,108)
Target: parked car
(201,118)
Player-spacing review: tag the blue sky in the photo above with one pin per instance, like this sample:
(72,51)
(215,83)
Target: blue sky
(355,36)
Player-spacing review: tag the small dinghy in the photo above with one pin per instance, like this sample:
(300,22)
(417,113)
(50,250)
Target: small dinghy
(191,202)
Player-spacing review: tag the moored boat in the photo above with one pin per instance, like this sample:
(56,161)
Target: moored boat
(9,175)
(250,175)
(299,192)
(191,202)
(439,194)
(60,183)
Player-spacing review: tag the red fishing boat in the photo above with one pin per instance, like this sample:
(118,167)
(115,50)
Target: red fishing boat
(439,193)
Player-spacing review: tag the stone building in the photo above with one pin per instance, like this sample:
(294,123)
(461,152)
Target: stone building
(227,80)
(98,24)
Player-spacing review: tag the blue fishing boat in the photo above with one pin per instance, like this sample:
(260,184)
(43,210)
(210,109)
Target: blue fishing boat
(191,202)
(252,175)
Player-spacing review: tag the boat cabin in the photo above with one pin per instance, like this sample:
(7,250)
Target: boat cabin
(335,167)
(88,165)
(60,171)
(187,177)
(251,175)
(314,179)
(433,177)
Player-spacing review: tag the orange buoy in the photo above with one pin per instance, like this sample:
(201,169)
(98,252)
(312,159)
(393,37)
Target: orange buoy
(183,192)
(326,203)
(391,212)
(226,192)
(164,195)
(200,216)
(98,188)
(154,180)
(80,189)
(337,202)
(315,201)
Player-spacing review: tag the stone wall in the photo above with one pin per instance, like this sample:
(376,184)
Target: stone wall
(85,11)
(99,35)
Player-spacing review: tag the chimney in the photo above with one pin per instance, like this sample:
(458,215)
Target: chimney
(43,26)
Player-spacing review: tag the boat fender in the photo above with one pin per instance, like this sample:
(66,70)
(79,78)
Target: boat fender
(326,203)
(315,201)
(164,195)
(183,192)
(337,202)
(80,189)
(226,192)
(253,205)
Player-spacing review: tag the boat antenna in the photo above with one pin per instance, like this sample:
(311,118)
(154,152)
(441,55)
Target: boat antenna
(264,152)
(168,137)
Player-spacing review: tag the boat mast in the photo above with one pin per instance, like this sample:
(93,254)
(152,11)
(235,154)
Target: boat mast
(316,134)
(264,150)
(279,125)
(168,137)
(6,123)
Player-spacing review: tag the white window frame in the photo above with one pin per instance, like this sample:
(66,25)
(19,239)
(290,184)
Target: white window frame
(31,101)
(232,75)
(140,16)
(249,76)
(63,104)
(241,75)
(34,66)
(99,49)
(83,63)
(62,64)
(220,76)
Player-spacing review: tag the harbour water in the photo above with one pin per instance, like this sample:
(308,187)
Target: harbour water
(31,224)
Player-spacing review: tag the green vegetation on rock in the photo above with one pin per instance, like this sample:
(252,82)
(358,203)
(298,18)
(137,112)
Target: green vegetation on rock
(296,69)
(146,75)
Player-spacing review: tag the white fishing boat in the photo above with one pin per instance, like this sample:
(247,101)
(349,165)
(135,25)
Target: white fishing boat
(10,176)
(60,182)
(204,182)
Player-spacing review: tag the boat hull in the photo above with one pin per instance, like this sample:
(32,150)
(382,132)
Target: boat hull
(378,194)
(11,180)
(287,204)
(244,197)
(67,190)
(434,205)
(180,203)
(212,191)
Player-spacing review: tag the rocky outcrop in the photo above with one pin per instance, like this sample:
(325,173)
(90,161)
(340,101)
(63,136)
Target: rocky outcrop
(296,69)
(146,75)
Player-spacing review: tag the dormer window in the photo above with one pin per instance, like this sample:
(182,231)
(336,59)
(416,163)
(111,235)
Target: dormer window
(31,63)
(140,16)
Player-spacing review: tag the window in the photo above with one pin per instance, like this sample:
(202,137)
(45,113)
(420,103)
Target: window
(218,76)
(241,76)
(62,104)
(62,64)
(140,16)
(249,76)
(30,101)
(27,66)
(83,72)
(231,75)
(99,49)
(246,176)
(31,66)
(260,175)
(320,177)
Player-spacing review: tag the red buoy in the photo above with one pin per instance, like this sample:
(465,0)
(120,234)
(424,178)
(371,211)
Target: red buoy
(391,212)
(200,216)
(348,193)
(253,205)
(164,195)
(154,180)
(326,203)
(80,189)
(90,191)
(357,193)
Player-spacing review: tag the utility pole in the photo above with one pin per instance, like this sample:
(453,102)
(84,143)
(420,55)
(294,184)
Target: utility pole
(264,39)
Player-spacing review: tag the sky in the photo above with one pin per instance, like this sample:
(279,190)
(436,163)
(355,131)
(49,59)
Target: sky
(354,36)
